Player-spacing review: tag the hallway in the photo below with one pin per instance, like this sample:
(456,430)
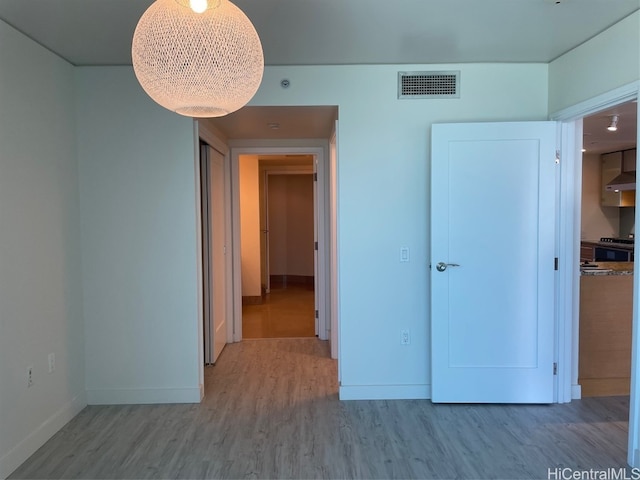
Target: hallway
(288,311)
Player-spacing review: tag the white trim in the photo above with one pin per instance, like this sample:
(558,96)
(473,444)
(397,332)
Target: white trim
(576,392)
(212,137)
(199,272)
(333,243)
(271,148)
(385,392)
(138,396)
(39,436)
(567,307)
(606,100)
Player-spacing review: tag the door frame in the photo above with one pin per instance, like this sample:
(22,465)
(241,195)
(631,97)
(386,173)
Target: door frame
(569,247)
(278,170)
(202,131)
(324,267)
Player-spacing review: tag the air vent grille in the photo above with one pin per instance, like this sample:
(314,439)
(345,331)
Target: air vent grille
(429,84)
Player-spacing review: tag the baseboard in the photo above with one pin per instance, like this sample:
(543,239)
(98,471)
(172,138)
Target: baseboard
(576,392)
(284,280)
(604,387)
(139,396)
(28,446)
(254,300)
(385,392)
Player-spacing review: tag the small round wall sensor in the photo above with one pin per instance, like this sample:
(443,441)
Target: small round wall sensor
(285,83)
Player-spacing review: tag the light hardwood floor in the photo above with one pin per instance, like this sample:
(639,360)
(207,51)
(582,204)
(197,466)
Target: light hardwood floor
(272,411)
(285,312)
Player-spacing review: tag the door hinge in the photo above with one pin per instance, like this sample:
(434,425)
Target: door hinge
(315,177)
(315,246)
(557,157)
(555,368)
(555,263)
(317,314)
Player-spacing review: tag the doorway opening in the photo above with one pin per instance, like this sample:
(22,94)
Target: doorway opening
(607,251)
(287,230)
(252,279)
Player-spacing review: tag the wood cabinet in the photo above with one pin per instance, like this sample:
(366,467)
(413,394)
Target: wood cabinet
(587,252)
(612,164)
(604,366)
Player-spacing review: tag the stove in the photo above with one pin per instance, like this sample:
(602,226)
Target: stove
(623,241)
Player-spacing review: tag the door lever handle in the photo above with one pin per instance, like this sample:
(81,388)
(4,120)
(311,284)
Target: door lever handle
(442,266)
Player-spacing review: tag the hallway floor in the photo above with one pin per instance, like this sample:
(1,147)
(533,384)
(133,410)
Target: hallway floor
(285,312)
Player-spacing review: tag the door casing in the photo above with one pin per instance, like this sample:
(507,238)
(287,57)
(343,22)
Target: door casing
(323,279)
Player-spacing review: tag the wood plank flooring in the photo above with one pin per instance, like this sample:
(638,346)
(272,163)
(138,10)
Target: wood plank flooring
(287,311)
(272,411)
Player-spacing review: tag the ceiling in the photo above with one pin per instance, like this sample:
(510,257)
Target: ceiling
(278,122)
(321,32)
(335,32)
(597,139)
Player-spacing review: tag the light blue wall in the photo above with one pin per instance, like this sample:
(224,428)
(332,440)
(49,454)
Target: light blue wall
(40,289)
(138,211)
(383,201)
(138,225)
(604,63)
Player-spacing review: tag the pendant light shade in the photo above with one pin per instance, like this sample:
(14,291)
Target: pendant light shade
(206,64)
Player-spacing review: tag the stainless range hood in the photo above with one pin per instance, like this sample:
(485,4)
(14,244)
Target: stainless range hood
(624,181)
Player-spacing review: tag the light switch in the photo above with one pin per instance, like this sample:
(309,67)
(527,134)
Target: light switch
(404,254)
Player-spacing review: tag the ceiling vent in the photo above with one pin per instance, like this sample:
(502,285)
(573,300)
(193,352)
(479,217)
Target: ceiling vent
(429,84)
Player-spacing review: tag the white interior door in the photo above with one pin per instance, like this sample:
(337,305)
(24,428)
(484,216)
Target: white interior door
(493,194)
(206,253)
(217,253)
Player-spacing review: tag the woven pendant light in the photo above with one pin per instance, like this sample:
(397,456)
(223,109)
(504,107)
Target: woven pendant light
(206,64)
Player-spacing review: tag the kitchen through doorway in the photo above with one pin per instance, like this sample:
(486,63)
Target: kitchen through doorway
(607,251)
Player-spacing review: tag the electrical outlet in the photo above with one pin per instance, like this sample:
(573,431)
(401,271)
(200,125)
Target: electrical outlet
(405,338)
(29,376)
(52,362)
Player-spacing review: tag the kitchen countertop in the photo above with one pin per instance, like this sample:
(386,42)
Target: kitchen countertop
(607,268)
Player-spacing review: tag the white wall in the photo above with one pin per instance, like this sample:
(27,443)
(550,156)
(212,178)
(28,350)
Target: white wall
(40,289)
(383,201)
(139,237)
(607,61)
(597,221)
(250,225)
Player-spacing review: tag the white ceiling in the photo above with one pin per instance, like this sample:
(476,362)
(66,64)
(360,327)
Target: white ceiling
(321,32)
